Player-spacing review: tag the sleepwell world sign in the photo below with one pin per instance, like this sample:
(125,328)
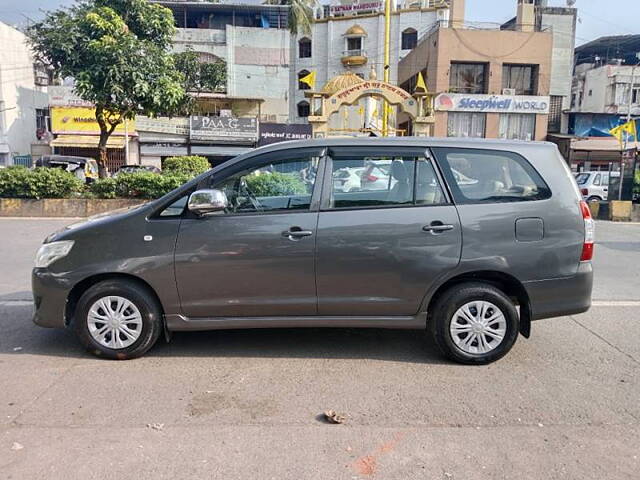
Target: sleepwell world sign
(461,102)
(224,129)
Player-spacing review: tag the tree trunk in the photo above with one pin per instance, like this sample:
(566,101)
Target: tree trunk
(103,170)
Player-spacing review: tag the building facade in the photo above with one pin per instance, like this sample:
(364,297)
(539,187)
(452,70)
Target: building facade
(253,42)
(490,81)
(348,36)
(23,97)
(561,22)
(605,90)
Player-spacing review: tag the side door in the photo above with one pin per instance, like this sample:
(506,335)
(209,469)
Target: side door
(256,258)
(380,247)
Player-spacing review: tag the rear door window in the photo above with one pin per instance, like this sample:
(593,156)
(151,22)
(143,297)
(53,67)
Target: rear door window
(362,181)
(490,176)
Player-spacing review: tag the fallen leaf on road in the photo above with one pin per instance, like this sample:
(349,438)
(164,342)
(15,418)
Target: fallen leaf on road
(17,446)
(155,426)
(334,417)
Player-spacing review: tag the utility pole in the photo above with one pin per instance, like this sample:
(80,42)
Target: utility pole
(387,36)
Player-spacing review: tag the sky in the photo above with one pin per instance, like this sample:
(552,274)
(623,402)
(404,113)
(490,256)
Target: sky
(596,17)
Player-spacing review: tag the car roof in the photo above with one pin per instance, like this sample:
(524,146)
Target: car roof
(457,142)
(66,158)
(395,142)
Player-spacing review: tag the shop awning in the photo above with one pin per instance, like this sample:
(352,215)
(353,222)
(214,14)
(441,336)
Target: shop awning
(86,141)
(219,150)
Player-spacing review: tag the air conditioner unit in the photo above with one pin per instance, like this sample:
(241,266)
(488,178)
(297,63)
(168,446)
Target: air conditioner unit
(509,91)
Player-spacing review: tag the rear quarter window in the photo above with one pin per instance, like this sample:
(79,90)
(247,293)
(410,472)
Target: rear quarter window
(490,176)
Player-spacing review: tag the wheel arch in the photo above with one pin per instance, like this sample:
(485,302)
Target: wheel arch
(508,284)
(82,286)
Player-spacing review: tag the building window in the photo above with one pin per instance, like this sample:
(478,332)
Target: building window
(555,114)
(409,38)
(354,45)
(466,124)
(43,124)
(302,85)
(304,48)
(517,126)
(468,77)
(303,109)
(521,78)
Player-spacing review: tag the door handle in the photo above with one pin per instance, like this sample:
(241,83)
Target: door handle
(437,227)
(296,233)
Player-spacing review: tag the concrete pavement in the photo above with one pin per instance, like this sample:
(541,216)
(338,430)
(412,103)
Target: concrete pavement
(245,404)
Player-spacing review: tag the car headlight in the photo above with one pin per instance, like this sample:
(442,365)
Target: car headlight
(50,252)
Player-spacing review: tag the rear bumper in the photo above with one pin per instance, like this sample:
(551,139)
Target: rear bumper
(50,293)
(561,296)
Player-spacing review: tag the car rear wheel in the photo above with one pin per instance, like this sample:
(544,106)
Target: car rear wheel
(118,319)
(594,199)
(474,323)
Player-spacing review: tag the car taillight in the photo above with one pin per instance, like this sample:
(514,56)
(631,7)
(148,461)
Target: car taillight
(584,191)
(589,233)
(371,178)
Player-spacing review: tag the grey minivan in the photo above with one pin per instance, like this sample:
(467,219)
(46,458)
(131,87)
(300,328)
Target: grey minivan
(471,240)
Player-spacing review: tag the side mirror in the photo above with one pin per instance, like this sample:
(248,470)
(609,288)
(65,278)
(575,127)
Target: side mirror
(203,202)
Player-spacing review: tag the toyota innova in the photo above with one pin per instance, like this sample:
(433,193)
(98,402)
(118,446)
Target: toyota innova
(469,240)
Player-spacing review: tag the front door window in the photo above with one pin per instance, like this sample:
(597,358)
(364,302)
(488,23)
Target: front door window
(279,185)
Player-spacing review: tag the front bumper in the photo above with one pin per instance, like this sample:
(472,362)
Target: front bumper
(561,296)
(50,293)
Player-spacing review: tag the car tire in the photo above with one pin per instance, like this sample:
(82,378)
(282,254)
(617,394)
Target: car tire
(461,312)
(594,199)
(118,319)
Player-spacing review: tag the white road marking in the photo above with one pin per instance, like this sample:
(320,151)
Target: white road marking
(615,303)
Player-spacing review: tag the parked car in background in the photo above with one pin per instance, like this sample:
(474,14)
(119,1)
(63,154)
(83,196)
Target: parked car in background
(594,186)
(376,175)
(84,168)
(471,242)
(348,179)
(136,168)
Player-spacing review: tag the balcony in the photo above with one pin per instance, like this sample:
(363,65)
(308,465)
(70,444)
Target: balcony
(205,36)
(354,58)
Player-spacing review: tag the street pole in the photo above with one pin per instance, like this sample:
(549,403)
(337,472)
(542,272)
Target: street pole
(126,142)
(387,35)
(626,138)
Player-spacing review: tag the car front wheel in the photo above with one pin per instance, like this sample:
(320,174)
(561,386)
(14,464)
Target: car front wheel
(118,319)
(474,323)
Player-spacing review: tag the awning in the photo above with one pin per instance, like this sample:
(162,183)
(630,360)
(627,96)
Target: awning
(219,150)
(600,144)
(4,148)
(86,141)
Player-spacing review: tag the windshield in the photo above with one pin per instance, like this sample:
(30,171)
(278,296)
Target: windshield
(582,178)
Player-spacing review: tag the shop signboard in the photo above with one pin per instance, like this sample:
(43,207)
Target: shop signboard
(62,96)
(354,8)
(282,132)
(224,129)
(462,102)
(172,126)
(80,121)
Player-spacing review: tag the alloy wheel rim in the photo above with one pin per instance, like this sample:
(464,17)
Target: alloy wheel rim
(478,327)
(114,322)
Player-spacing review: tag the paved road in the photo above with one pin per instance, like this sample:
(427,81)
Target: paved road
(244,404)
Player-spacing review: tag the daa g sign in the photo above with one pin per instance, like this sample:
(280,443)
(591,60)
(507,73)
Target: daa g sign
(224,129)
(461,102)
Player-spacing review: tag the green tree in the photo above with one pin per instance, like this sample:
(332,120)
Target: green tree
(199,76)
(118,53)
(300,14)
